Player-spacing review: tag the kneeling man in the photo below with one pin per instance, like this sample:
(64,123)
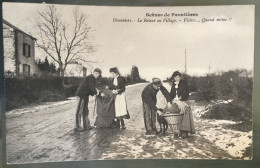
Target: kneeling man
(149,104)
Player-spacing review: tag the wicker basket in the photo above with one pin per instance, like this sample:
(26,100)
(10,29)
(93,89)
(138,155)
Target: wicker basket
(173,119)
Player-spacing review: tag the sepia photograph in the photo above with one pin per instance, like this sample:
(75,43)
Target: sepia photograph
(116,83)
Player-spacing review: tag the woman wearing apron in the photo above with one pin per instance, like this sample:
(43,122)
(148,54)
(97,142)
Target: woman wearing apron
(118,88)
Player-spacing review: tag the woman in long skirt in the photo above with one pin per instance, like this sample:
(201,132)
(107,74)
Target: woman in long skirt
(118,88)
(180,94)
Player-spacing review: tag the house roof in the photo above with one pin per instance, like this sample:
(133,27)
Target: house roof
(17,29)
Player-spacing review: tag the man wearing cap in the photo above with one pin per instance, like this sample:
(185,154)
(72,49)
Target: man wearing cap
(149,104)
(87,88)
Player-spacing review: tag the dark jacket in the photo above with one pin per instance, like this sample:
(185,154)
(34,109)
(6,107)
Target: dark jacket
(149,95)
(120,85)
(87,87)
(182,90)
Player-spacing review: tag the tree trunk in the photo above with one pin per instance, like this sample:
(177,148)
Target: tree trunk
(84,71)
(62,73)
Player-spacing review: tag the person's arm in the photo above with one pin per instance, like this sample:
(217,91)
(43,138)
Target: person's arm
(185,95)
(121,85)
(166,93)
(173,92)
(147,98)
(82,88)
(167,96)
(111,85)
(92,90)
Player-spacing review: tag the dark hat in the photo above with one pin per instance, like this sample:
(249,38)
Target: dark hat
(157,81)
(97,70)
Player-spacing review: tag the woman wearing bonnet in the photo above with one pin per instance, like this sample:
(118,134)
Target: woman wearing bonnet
(179,95)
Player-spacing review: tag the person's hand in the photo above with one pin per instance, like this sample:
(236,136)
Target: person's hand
(102,95)
(114,91)
(159,112)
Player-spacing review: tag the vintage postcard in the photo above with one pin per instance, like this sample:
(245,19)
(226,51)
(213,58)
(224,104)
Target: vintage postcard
(109,83)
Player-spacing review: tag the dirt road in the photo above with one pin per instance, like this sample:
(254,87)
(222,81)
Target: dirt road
(44,133)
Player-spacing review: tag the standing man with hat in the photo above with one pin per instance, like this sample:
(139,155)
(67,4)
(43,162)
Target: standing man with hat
(87,88)
(149,104)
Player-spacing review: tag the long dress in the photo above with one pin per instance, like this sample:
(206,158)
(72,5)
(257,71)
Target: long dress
(187,120)
(187,123)
(180,89)
(105,108)
(120,99)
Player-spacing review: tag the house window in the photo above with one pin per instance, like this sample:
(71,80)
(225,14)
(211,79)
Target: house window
(26,50)
(29,50)
(26,69)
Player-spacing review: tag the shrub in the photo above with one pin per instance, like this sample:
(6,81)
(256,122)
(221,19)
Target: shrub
(236,85)
(135,77)
(205,87)
(230,111)
(22,91)
(73,80)
(70,90)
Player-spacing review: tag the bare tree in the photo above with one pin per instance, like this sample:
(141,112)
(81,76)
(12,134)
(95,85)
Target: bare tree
(63,42)
(78,68)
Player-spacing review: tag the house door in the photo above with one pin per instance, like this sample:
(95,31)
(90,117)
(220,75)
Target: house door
(26,69)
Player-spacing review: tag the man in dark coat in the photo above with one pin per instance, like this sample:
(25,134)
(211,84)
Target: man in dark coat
(149,104)
(86,89)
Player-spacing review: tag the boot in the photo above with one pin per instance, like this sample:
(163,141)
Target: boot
(117,123)
(123,124)
(184,134)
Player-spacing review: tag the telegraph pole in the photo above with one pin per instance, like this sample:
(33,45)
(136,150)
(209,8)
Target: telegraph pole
(210,64)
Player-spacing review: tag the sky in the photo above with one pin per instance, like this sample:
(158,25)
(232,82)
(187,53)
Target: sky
(158,49)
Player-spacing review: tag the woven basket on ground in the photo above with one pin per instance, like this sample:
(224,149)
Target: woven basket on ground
(173,119)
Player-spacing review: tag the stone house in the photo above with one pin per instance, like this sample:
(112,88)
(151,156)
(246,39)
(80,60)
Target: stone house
(19,51)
